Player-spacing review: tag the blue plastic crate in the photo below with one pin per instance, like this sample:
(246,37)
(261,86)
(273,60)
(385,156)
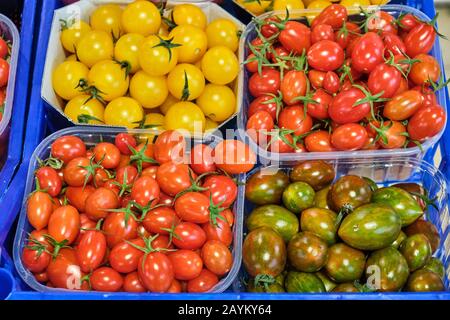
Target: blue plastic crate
(40,124)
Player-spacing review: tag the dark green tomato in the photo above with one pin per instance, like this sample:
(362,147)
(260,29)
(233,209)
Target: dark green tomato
(387,270)
(401,201)
(372,184)
(349,192)
(274,287)
(435,265)
(345,263)
(276,217)
(264,252)
(303,282)
(417,251)
(428,229)
(424,281)
(346,287)
(320,199)
(370,227)
(327,282)
(298,196)
(307,252)
(416,190)
(266,187)
(321,222)
(317,173)
(398,242)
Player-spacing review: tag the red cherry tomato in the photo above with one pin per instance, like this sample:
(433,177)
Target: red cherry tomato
(4,72)
(107,154)
(204,282)
(221,231)
(106,279)
(77,196)
(169,146)
(145,190)
(132,283)
(202,159)
(124,141)
(259,124)
(190,236)
(392,134)
(293,85)
(174,177)
(99,202)
(91,250)
(325,55)
(294,118)
(334,15)
(124,257)
(347,33)
(76,173)
(49,180)
(119,227)
(428,94)
(156,272)
(319,110)
(39,209)
(343,108)
(222,190)
(408,21)
(4,48)
(193,207)
(67,148)
(349,137)
(187,264)
(64,271)
(264,103)
(393,44)
(295,37)
(316,78)
(420,40)
(217,257)
(234,157)
(265,83)
(382,22)
(322,32)
(282,142)
(160,219)
(403,105)
(331,82)
(368,52)
(428,68)
(384,78)
(64,224)
(426,123)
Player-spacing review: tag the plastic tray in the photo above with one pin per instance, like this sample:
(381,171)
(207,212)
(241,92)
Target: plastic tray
(91,136)
(10,34)
(245,100)
(384,174)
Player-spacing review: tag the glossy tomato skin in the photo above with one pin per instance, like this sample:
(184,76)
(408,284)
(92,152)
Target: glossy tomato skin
(158,219)
(395,135)
(156,272)
(333,15)
(34,260)
(342,109)
(187,264)
(124,258)
(85,223)
(150,172)
(193,207)
(319,141)
(295,37)
(293,85)
(132,283)
(145,190)
(124,141)
(49,180)
(67,148)
(126,175)
(64,224)
(106,279)
(393,44)
(316,78)
(176,287)
(349,137)
(99,202)
(319,110)
(384,78)
(251,65)
(190,236)
(91,250)
(263,103)
(217,257)
(173,177)
(428,94)
(63,271)
(420,39)
(107,154)
(39,209)
(325,55)
(204,282)
(408,22)
(278,145)
(267,82)
(221,232)
(75,172)
(403,105)
(368,52)
(426,123)
(77,196)
(382,22)
(344,38)
(202,159)
(294,118)
(169,146)
(118,228)
(234,157)
(222,190)
(322,32)
(331,82)
(259,124)
(427,68)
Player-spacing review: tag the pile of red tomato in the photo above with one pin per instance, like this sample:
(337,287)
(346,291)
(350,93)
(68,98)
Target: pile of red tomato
(4,73)
(134,217)
(343,84)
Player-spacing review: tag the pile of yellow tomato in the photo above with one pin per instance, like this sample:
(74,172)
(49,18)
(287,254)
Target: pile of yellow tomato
(134,67)
(258,7)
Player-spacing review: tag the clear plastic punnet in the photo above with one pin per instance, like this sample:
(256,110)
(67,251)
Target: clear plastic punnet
(92,136)
(244,97)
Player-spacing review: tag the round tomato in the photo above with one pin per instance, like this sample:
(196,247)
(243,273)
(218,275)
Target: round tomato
(221,231)
(189,236)
(334,15)
(85,109)
(258,124)
(100,202)
(119,226)
(67,148)
(67,77)
(295,118)
(185,82)
(426,122)
(268,82)
(124,141)
(77,196)
(193,207)
(186,264)
(127,49)
(202,159)
(217,102)
(71,33)
(325,55)
(368,52)
(265,103)
(149,91)
(391,133)
(425,70)
(35,260)
(124,112)
(107,154)
(132,283)
(220,65)
(331,82)
(193,41)
(221,189)
(222,32)
(76,173)
(186,116)
(174,177)
(295,37)
(158,55)
(141,17)
(349,137)
(384,79)
(191,14)
(234,157)
(319,108)
(94,46)
(124,257)
(169,146)
(106,279)
(107,18)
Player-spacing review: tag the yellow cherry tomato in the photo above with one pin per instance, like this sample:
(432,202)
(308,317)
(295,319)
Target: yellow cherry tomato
(85,109)
(127,49)
(220,65)
(193,42)
(124,112)
(288,4)
(256,7)
(141,17)
(72,57)
(72,32)
(316,5)
(189,14)
(185,115)
(153,121)
(107,18)
(356,4)
(223,32)
(210,125)
(217,102)
(110,78)
(158,55)
(186,82)
(67,77)
(149,91)
(170,101)
(95,46)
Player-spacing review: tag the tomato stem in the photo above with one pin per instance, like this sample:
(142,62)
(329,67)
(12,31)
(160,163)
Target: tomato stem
(167,44)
